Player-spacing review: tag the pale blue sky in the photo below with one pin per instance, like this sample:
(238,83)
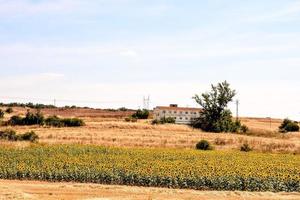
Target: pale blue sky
(110,53)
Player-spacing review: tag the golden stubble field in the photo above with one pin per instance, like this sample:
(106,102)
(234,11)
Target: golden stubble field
(108,128)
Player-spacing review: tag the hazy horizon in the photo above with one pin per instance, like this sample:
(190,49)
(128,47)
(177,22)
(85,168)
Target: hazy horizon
(111,53)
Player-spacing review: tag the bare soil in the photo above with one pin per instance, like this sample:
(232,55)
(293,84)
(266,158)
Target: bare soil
(34,190)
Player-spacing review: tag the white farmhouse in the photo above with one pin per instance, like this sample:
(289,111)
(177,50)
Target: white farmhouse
(180,114)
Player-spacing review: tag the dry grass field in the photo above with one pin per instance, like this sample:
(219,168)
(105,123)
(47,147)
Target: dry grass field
(34,190)
(108,128)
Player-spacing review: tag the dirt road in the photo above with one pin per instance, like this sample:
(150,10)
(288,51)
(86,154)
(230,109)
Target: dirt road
(55,191)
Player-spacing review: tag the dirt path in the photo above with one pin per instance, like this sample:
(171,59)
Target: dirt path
(43,190)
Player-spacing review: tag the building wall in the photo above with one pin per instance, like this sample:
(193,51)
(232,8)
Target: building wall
(180,115)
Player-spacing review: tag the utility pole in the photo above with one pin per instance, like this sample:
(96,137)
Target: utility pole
(146,102)
(237,109)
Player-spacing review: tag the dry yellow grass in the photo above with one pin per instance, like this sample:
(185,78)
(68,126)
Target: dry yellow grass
(110,129)
(34,190)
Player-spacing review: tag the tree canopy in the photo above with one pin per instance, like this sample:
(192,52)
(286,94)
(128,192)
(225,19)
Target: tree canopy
(215,116)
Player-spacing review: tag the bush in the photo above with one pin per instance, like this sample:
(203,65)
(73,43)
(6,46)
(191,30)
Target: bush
(246,147)
(141,114)
(54,121)
(34,118)
(16,120)
(9,110)
(1,114)
(244,129)
(130,119)
(155,121)
(29,119)
(9,135)
(72,122)
(204,145)
(28,136)
(164,120)
(288,126)
(65,122)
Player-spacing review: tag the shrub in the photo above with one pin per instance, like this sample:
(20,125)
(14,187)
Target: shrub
(164,120)
(28,136)
(123,109)
(288,126)
(9,135)
(246,147)
(155,121)
(9,110)
(16,120)
(204,145)
(29,119)
(64,122)
(141,114)
(54,121)
(72,122)
(168,120)
(33,118)
(130,119)
(244,129)
(1,113)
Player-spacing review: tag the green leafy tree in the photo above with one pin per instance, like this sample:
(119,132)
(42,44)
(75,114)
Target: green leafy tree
(288,126)
(215,116)
(141,114)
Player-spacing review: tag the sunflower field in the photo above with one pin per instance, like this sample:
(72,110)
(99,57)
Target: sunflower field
(173,168)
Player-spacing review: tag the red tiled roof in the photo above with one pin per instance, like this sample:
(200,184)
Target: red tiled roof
(178,108)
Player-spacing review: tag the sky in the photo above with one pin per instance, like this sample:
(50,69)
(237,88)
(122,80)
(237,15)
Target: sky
(112,53)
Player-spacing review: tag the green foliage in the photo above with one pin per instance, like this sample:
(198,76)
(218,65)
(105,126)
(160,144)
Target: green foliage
(141,114)
(64,122)
(53,121)
(29,119)
(28,136)
(215,116)
(9,110)
(246,147)
(172,168)
(130,119)
(33,118)
(288,126)
(28,105)
(38,119)
(16,120)
(71,122)
(123,109)
(203,145)
(1,114)
(164,120)
(11,135)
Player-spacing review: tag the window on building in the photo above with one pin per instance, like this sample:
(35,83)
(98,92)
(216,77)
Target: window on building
(180,117)
(175,112)
(187,118)
(164,111)
(186,112)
